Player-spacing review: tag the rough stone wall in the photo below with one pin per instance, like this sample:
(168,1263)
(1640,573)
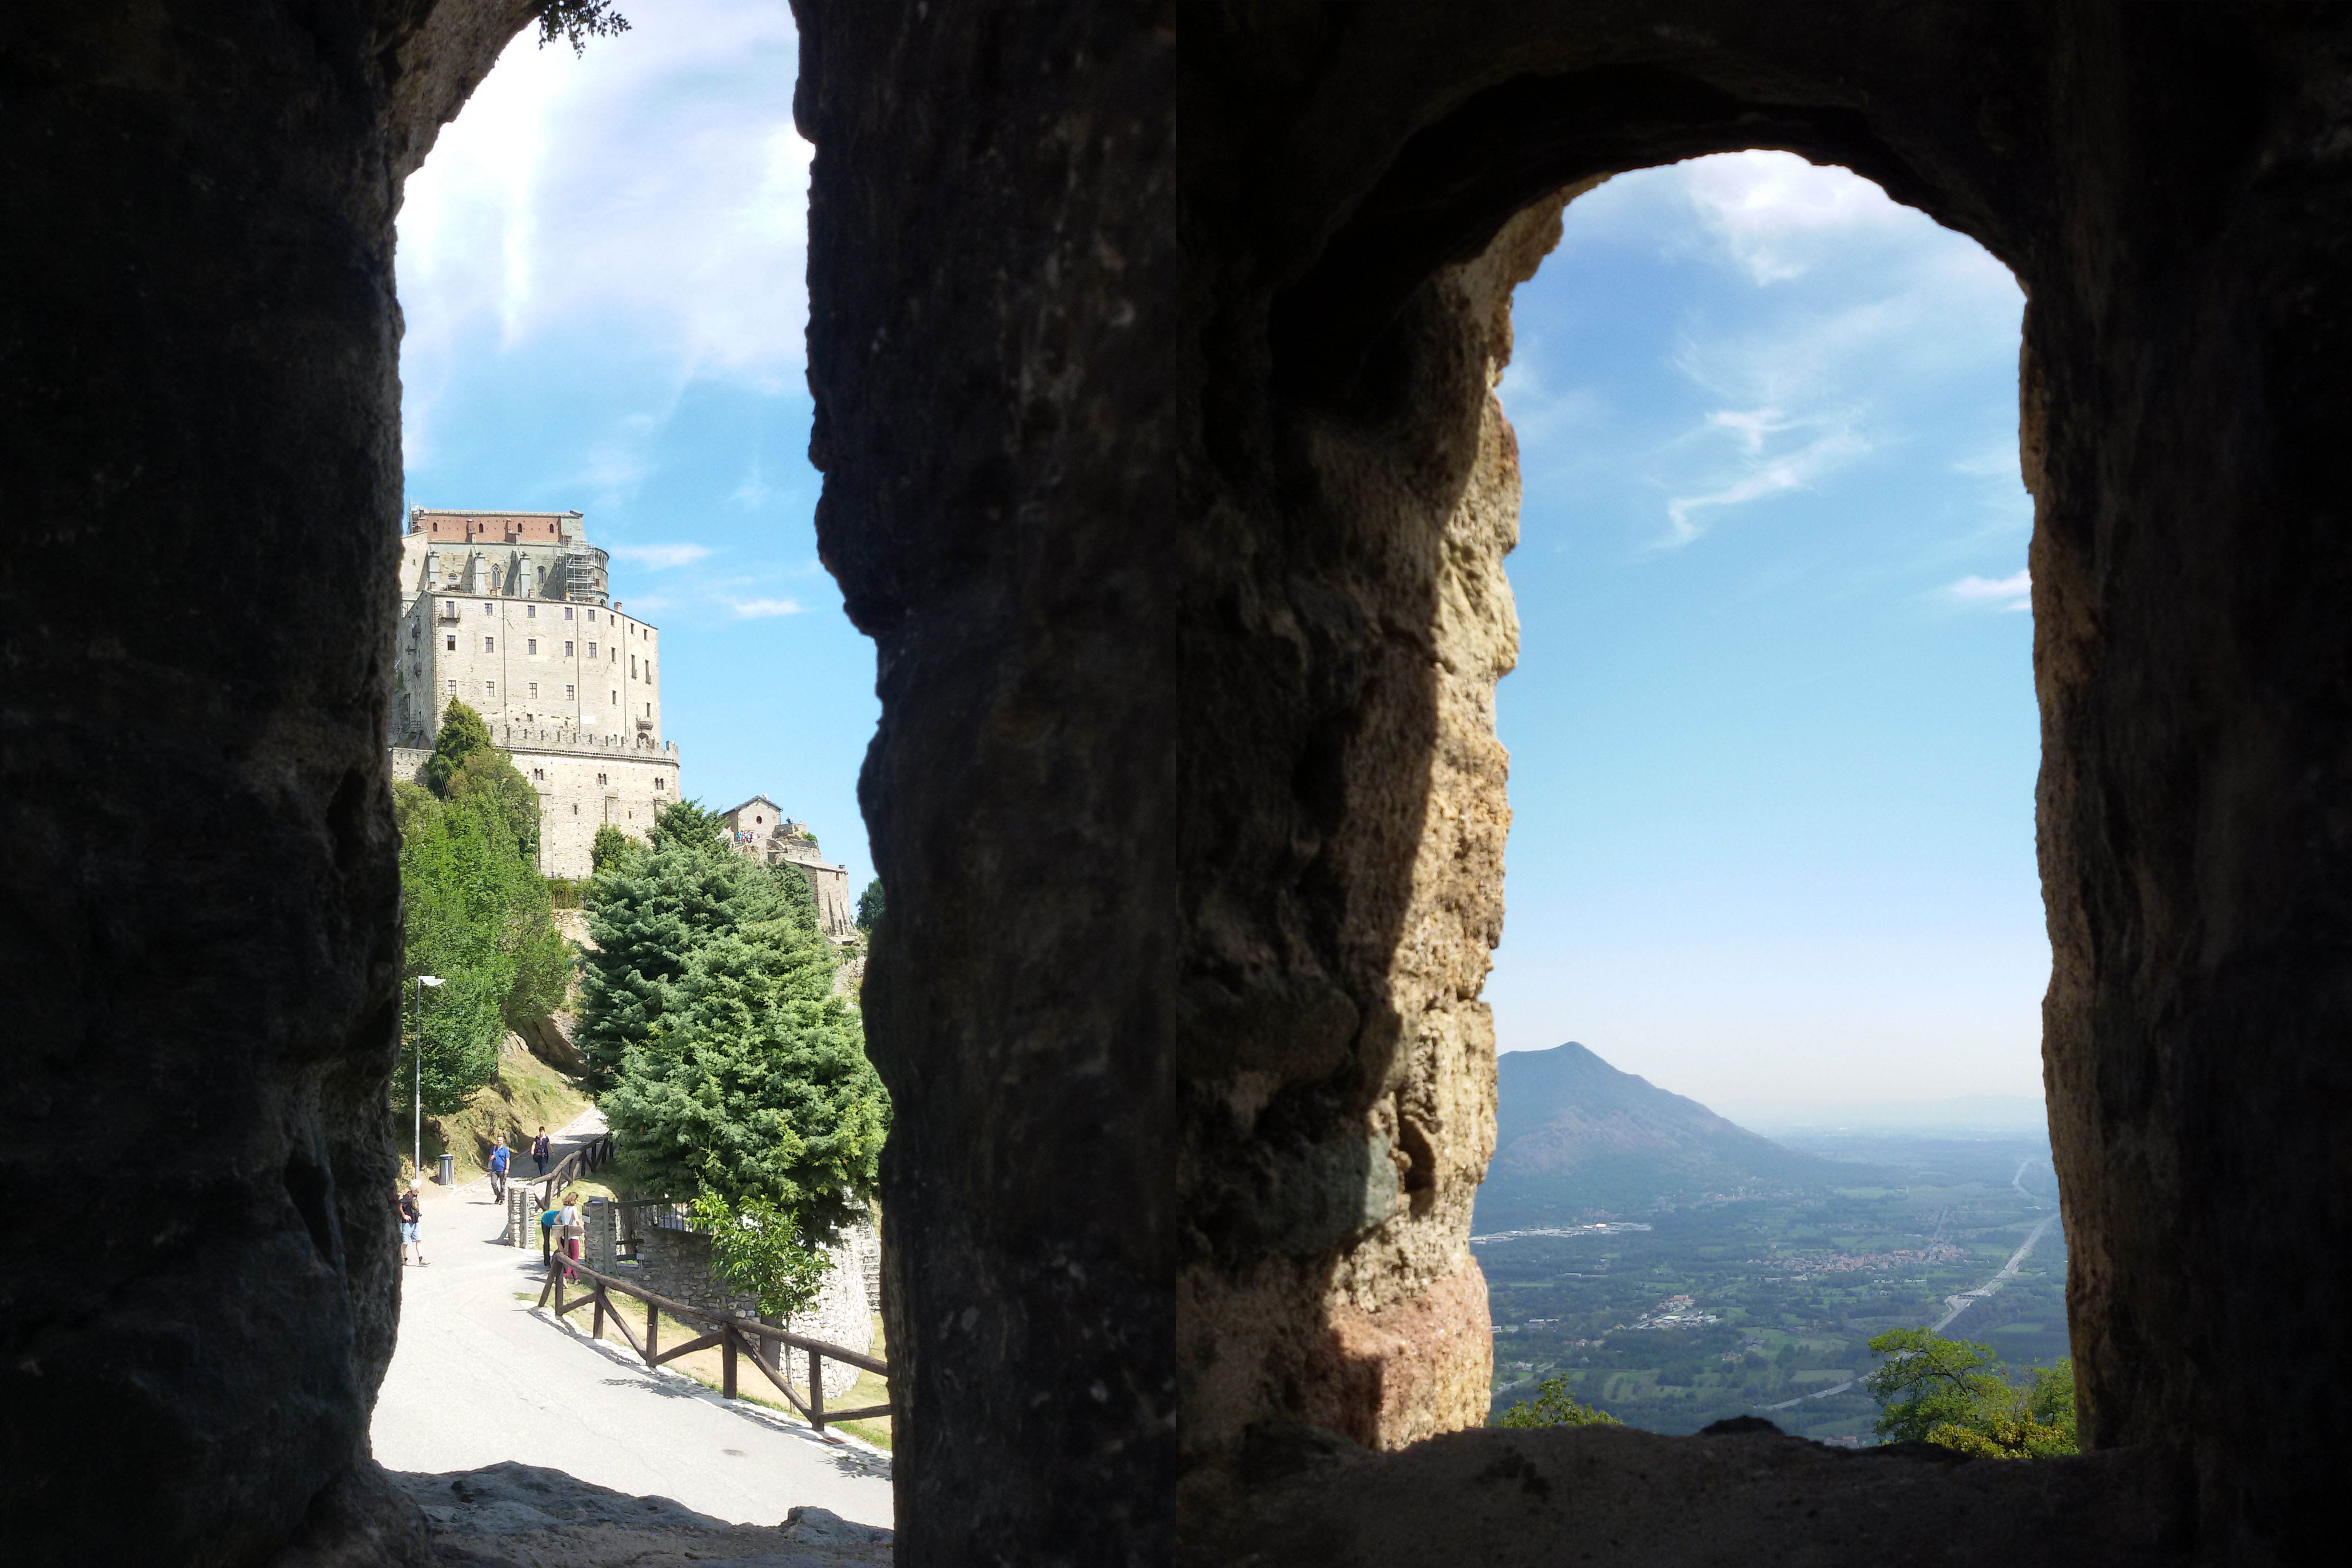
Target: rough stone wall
(1337,1137)
(677,1264)
(198,342)
(2165,183)
(993,338)
(1154,502)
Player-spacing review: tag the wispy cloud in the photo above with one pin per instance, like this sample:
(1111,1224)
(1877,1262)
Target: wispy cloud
(661,557)
(759,609)
(754,491)
(2004,594)
(1765,474)
(651,193)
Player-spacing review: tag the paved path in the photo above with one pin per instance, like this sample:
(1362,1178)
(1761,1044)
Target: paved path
(479,1377)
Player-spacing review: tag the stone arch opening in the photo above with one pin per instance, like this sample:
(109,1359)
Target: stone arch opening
(1361,257)
(1849,1006)
(1178,792)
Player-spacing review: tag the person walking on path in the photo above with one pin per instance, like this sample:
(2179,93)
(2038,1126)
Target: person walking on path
(412,1222)
(568,1225)
(540,1149)
(498,1158)
(547,1222)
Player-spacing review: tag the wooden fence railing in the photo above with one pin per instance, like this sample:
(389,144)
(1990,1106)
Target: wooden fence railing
(736,1337)
(590,1156)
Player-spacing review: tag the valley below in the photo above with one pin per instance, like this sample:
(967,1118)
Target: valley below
(1761,1297)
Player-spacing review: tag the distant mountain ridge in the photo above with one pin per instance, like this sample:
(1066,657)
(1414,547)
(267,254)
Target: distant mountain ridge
(1574,1134)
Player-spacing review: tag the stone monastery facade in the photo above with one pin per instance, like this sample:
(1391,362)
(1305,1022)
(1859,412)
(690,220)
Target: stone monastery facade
(511,611)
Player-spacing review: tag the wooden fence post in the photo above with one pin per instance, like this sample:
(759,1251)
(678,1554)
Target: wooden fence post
(653,1321)
(816,1391)
(598,1333)
(727,1362)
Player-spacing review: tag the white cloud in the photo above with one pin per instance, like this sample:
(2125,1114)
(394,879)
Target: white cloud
(759,609)
(1766,475)
(1781,217)
(2006,594)
(661,557)
(652,195)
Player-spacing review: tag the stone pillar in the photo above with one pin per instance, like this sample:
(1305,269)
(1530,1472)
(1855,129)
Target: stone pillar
(198,367)
(596,1247)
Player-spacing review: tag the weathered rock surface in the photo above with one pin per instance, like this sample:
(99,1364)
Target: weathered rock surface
(521,1516)
(1610,1495)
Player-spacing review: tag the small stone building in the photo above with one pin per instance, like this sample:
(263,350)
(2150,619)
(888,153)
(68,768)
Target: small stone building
(759,830)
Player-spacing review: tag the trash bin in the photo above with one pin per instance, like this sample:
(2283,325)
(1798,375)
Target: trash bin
(448,1176)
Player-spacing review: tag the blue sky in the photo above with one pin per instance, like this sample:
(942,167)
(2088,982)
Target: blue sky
(1772,732)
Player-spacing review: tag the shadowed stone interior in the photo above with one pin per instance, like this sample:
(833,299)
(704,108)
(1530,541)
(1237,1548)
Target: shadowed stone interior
(1173,492)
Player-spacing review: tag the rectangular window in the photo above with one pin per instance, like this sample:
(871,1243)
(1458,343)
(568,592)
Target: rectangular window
(567,612)
(576,808)
(489,645)
(567,650)
(633,667)
(591,650)
(533,610)
(486,609)
(453,688)
(453,644)
(617,699)
(539,773)
(567,694)
(657,783)
(649,710)
(489,688)
(600,779)
(534,690)
(591,615)
(530,645)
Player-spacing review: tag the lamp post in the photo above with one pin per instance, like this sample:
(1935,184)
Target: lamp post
(417,1105)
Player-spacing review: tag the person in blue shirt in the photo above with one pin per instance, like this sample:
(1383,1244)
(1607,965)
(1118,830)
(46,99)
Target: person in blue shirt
(498,1158)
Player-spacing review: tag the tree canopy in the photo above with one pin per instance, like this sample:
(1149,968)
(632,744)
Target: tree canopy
(723,1061)
(609,849)
(476,911)
(1555,1405)
(869,906)
(1954,1392)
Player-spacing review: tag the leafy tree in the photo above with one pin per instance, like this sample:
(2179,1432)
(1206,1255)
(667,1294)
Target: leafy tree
(759,1247)
(1954,1392)
(476,914)
(611,850)
(869,906)
(1554,1405)
(464,735)
(753,1082)
(574,22)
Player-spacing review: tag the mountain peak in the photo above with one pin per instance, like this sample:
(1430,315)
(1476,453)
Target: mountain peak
(1574,1134)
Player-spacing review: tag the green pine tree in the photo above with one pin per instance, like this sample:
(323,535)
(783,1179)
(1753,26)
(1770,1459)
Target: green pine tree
(650,915)
(753,1089)
(464,735)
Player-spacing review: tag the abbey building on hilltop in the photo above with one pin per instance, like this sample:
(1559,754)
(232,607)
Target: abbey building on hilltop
(512,612)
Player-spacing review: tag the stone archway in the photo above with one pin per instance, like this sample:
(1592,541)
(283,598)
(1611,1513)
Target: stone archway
(1166,487)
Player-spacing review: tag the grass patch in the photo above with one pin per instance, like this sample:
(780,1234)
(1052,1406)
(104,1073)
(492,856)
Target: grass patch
(527,1095)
